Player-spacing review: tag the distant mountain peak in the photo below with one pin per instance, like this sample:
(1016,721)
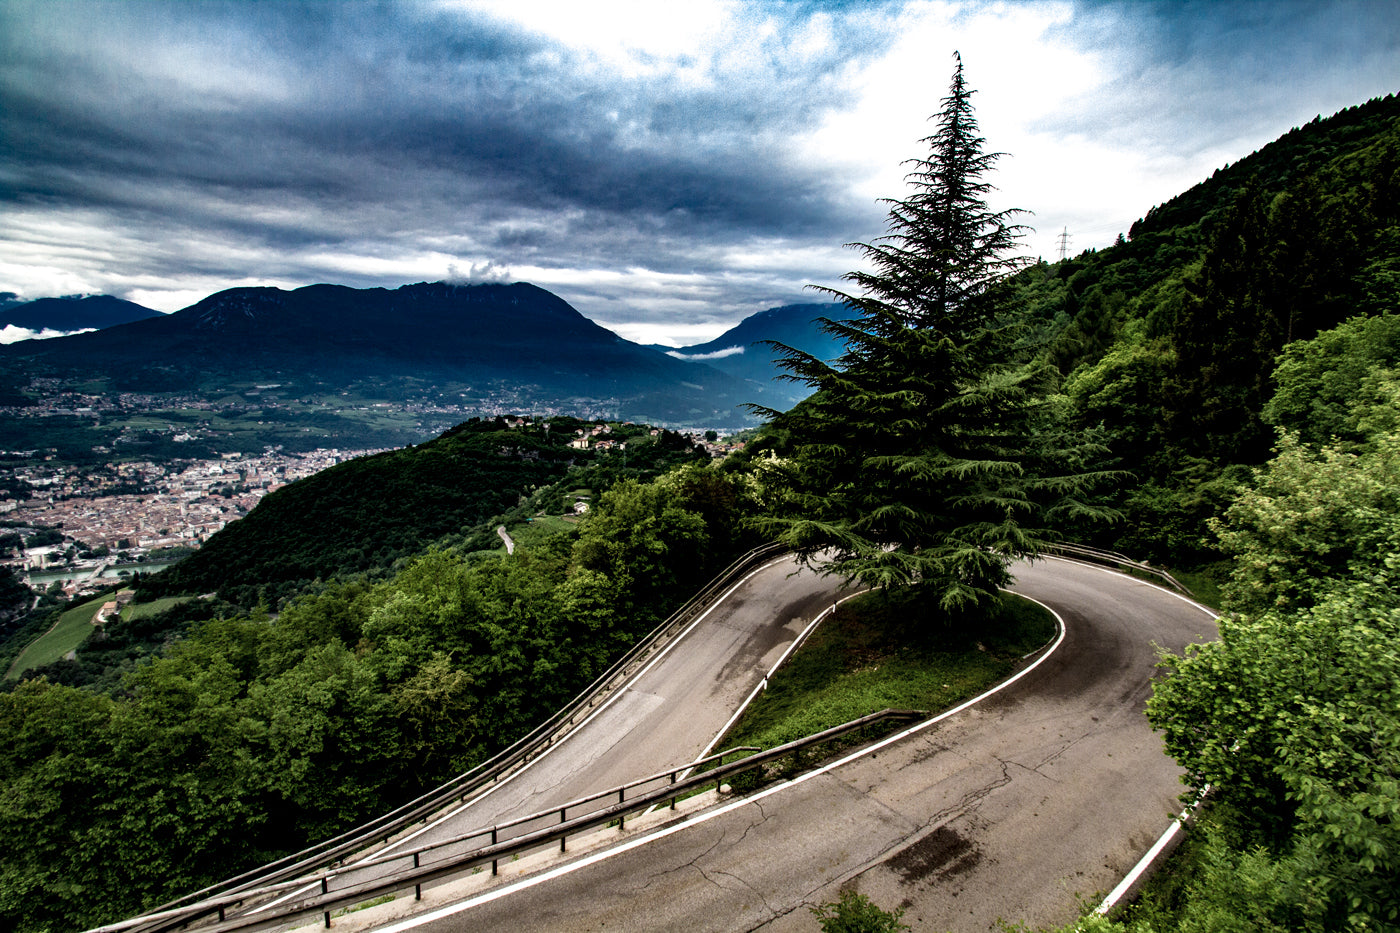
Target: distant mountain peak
(236,306)
(71,313)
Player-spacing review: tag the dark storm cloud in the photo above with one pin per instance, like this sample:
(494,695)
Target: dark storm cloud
(170,149)
(351,107)
(1199,74)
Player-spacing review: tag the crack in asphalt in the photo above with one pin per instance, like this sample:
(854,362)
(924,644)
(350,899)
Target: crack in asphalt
(658,875)
(1056,755)
(972,796)
(711,877)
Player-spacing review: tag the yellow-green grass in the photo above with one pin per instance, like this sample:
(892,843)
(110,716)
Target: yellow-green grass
(526,534)
(889,650)
(71,629)
(142,610)
(74,626)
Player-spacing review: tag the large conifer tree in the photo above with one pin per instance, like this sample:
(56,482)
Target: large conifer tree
(929,453)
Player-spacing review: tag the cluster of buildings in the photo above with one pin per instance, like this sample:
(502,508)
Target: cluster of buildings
(179,505)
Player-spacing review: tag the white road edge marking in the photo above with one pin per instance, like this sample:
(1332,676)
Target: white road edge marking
(762,684)
(1144,863)
(622,688)
(448,911)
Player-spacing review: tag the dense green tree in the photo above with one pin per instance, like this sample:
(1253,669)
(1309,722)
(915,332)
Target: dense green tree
(251,737)
(1309,519)
(1324,384)
(1293,716)
(931,452)
(1294,720)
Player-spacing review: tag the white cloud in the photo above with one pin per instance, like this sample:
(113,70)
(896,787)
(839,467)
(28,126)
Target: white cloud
(12,334)
(665,168)
(716,355)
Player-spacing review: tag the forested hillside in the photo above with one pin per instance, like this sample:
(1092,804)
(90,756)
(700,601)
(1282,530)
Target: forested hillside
(247,739)
(1220,388)
(368,512)
(1170,338)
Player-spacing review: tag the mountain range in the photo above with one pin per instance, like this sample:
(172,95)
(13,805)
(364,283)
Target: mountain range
(425,341)
(743,351)
(71,313)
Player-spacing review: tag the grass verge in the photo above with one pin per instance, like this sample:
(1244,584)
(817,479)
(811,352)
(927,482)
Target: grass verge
(156,606)
(892,649)
(70,631)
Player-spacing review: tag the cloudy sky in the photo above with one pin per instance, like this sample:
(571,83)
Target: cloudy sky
(667,168)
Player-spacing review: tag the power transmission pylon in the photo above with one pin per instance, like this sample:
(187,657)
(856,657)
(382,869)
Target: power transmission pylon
(1064,243)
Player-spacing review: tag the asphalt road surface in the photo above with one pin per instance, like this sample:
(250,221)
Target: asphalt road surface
(665,717)
(1049,790)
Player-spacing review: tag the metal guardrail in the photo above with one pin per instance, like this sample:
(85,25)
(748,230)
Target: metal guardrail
(420,868)
(382,828)
(1113,558)
(292,871)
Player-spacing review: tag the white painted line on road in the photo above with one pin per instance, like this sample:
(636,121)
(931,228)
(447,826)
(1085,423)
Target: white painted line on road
(1118,573)
(763,684)
(529,764)
(1144,863)
(525,883)
(617,694)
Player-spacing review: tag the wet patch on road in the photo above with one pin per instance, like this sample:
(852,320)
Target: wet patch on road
(942,853)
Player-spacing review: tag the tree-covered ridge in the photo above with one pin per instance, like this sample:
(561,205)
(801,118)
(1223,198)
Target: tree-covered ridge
(1170,340)
(364,514)
(1300,151)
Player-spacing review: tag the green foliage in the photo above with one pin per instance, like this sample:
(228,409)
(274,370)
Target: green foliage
(1324,385)
(1309,519)
(250,738)
(1293,716)
(1175,340)
(856,913)
(364,514)
(932,450)
(1295,720)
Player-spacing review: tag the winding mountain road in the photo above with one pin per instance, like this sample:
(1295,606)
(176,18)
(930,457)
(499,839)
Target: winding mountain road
(665,717)
(1049,789)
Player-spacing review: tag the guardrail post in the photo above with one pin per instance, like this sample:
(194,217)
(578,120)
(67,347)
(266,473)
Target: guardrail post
(673,798)
(562,820)
(417,888)
(494,862)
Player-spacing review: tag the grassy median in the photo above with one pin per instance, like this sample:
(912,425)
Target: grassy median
(884,650)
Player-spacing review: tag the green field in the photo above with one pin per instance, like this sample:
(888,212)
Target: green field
(70,631)
(142,610)
(528,534)
(73,628)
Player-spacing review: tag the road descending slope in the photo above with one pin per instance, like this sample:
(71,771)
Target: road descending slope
(665,717)
(1048,789)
